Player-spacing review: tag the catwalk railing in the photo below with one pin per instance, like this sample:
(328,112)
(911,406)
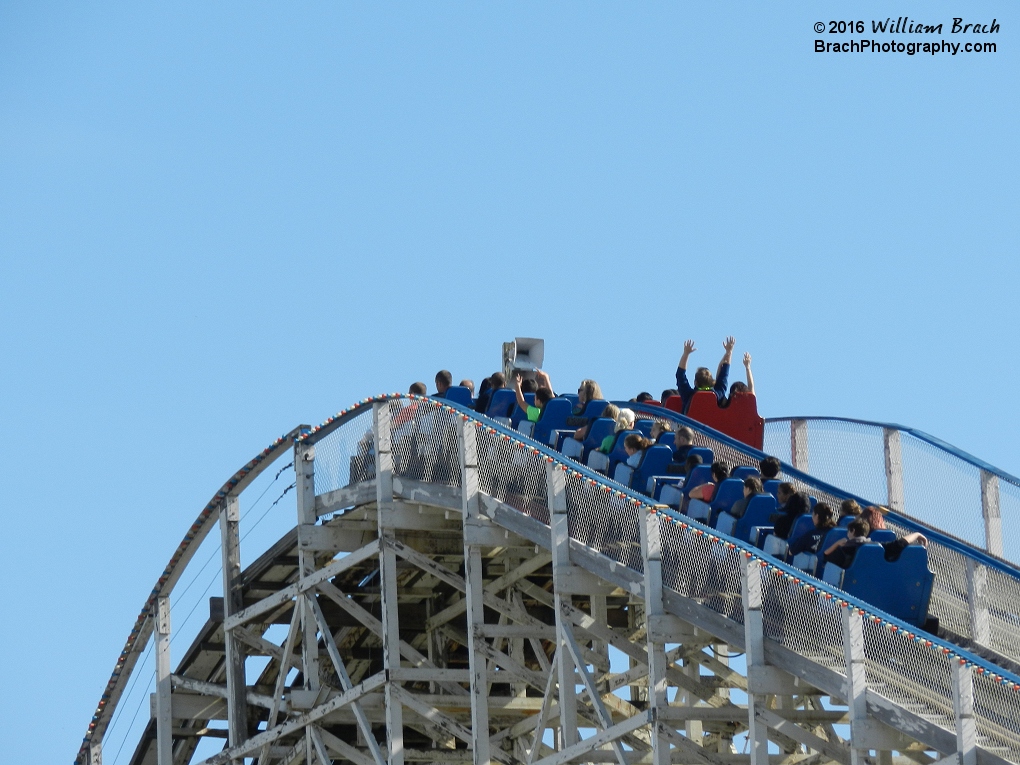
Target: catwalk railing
(976,596)
(909,471)
(902,664)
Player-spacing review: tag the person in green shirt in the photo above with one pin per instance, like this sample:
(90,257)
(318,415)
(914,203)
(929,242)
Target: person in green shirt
(624,421)
(542,397)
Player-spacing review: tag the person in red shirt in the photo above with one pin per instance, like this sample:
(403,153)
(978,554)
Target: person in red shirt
(705,492)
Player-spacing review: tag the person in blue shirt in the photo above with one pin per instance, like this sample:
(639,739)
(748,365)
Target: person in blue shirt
(703,379)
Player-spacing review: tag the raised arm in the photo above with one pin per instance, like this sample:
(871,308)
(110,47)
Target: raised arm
(728,344)
(723,372)
(543,379)
(521,401)
(682,383)
(688,350)
(750,377)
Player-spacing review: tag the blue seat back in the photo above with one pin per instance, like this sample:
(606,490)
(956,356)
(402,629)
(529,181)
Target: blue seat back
(901,588)
(668,439)
(458,394)
(600,428)
(619,454)
(745,471)
(572,397)
(729,491)
(831,537)
(772,486)
(644,427)
(654,463)
(502,403)
(882,535)
(701,474)
(801,526)
(553,416)
(759,508)
(846,520)
(518,413)
(595,407)
(704,452)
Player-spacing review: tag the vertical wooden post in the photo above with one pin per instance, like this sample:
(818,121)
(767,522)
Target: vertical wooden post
(990,512)
(651,551)
(480,754)
(856,682)
(799,444)
(233,602)
(600,613)
(977,602)
(304,471)
(963,709)
(388,580)
(893,468)
(164,721)
(754,647)
(556,490)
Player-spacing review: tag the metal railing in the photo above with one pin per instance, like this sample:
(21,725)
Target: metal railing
(908,470)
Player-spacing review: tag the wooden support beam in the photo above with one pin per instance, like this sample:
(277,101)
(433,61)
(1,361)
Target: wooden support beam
(343,749)
(990,512)
(963,710)
(388,579)
(651,551)
(304,470)
(856,682)
(375,625)
(799,445)
(614,733)
(601,713)
(474,596)
(560,546)
(754,645)
(233,602)
(291,591)
(281,676)
(298,723)
(893,468)
(164,709)
(977,602)
(345,679)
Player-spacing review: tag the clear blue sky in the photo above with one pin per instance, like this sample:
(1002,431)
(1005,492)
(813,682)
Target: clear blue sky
(220,220)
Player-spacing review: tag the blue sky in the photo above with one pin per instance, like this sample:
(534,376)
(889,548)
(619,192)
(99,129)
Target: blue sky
(218,221)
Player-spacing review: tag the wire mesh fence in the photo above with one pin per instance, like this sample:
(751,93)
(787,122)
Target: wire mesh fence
(940,486)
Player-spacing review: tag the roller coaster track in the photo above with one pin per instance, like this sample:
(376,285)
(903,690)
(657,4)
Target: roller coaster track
(449,586)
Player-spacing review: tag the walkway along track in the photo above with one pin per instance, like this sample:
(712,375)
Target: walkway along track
(445,617)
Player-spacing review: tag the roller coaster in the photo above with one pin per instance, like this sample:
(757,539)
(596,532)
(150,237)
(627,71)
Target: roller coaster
(453,591)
